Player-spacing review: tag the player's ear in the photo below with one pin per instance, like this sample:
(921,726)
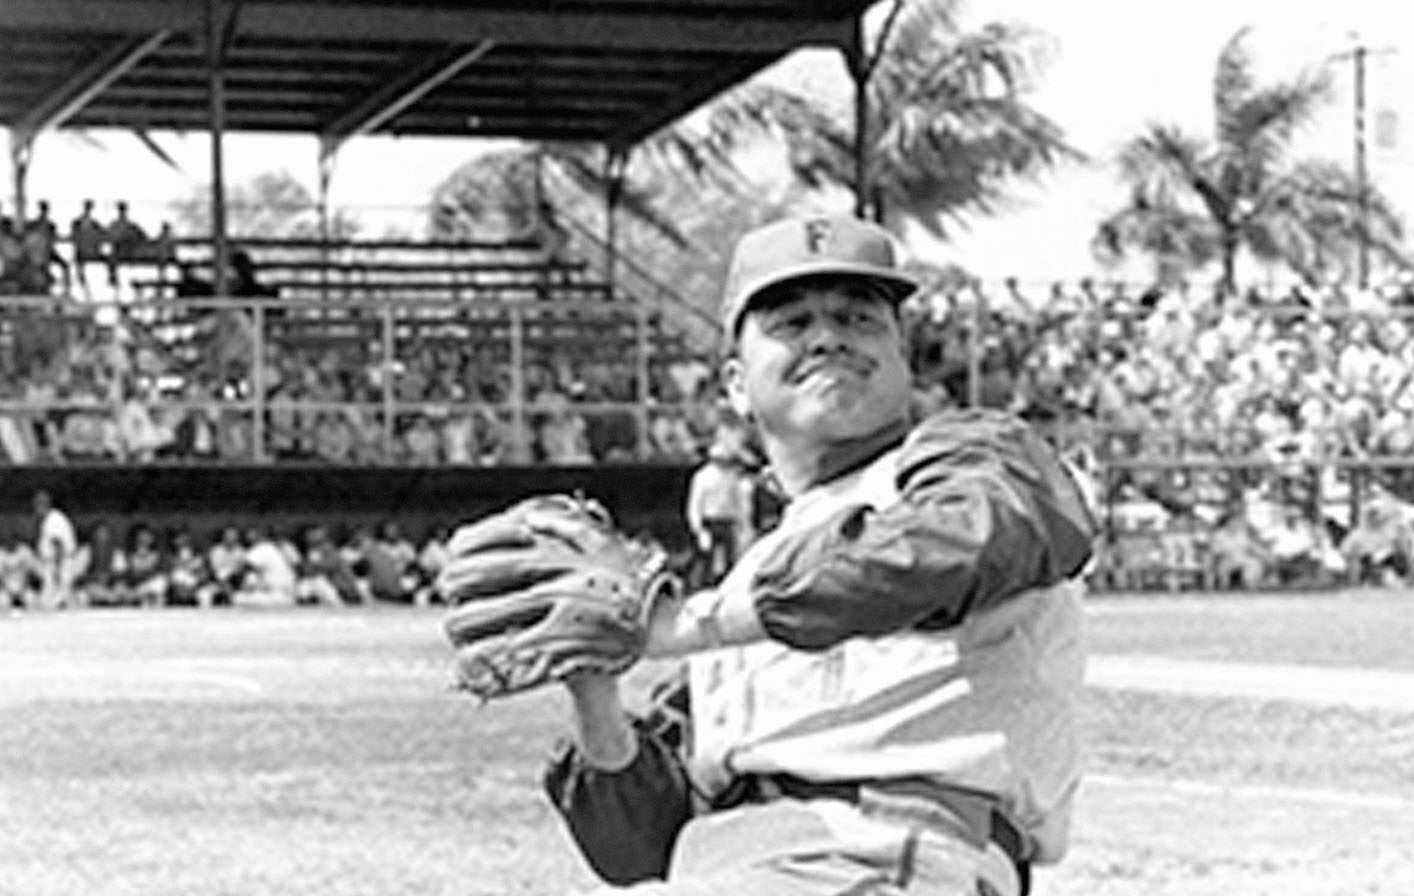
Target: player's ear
(734,382)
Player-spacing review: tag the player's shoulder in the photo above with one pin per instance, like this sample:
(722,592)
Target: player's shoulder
(967,425)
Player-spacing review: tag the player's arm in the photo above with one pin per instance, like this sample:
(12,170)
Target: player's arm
(620,785)
(696,523)
(986,510)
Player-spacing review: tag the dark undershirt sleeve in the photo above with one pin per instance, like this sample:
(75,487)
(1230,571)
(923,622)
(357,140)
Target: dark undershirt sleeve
(626,821)
(986,510)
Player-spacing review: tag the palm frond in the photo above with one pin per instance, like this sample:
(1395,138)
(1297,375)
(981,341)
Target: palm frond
(584,167)
(1233,80)
(147,140)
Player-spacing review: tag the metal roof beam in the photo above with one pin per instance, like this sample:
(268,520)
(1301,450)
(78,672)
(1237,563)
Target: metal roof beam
(388,21)
(394,97)
(685,101)
(79,89)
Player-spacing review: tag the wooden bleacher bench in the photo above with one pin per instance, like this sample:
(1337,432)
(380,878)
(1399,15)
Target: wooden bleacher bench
(363,268)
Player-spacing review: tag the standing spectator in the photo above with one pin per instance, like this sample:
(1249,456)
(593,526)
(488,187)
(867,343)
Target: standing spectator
(88,238)
(40,239)
(12,257)
(57,548)
(719,497)
(126,242)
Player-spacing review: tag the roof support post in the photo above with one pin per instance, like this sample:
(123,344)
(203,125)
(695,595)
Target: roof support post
(328,156)
(858,67)
(615,164)
(21,147)
(219,31)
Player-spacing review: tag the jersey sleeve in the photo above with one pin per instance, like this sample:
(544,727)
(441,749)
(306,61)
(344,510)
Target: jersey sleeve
(985,510)
(626,821)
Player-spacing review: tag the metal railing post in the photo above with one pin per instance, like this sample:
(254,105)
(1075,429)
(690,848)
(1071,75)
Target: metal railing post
(521,440)
(389,369)
(257,385)
(644,393)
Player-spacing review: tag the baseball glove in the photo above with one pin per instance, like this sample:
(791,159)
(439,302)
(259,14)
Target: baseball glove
(544,590)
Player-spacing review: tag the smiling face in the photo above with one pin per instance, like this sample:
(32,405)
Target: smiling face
(818,363)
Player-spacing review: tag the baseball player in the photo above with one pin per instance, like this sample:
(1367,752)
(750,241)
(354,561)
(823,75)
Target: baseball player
(882,691)
(57,548)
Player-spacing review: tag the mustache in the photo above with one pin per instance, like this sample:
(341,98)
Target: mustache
(810,362)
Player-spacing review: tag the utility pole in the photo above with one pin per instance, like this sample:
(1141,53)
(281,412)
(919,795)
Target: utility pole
(1362,190)
(1359,56)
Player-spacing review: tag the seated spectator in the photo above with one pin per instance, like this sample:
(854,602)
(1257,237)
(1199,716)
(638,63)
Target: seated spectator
(245,280)
(148,569)
(1301,551)
(1374,549)
(336,440)
(18,442)
(459,441)
(227,562)
(421,443)
(1237,556)
(197,434)
(388,562)
(671,439)
(430,561)
(272,576)
(190,580)
(19,571)
(103,580)
(562,433)
(325,577)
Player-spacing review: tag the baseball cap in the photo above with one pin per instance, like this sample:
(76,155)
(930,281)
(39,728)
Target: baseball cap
(794,248)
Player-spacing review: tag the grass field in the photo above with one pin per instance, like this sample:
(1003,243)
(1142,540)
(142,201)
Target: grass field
(319,752)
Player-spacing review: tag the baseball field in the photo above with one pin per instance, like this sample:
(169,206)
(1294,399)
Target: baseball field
(1239,745)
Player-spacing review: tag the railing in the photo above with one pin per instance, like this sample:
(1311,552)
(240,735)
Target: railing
(625,274)
(358,381)
(1248,523)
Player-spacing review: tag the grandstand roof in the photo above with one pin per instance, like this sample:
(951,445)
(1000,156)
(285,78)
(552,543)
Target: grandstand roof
(612,71)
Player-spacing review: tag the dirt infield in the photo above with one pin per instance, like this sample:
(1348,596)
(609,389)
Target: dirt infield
(315,751)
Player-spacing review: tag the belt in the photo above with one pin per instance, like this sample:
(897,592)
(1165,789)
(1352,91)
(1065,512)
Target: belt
(996,827)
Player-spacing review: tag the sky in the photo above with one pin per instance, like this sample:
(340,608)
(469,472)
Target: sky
(1111,66)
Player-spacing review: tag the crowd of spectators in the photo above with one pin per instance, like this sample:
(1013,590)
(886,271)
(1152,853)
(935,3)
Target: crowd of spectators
(256,566)
(1132,374)
(1243,417)
(1239,440)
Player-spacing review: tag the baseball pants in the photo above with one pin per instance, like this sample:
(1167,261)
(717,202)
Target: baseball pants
(824,847)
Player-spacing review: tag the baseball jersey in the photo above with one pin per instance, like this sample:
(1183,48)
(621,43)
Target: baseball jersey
(57,540)
(983,700)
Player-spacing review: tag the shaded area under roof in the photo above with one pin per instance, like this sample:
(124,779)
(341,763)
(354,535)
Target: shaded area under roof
(611,72)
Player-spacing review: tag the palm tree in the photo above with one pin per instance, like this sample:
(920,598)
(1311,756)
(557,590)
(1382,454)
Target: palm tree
(1193,201)
(948,128)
